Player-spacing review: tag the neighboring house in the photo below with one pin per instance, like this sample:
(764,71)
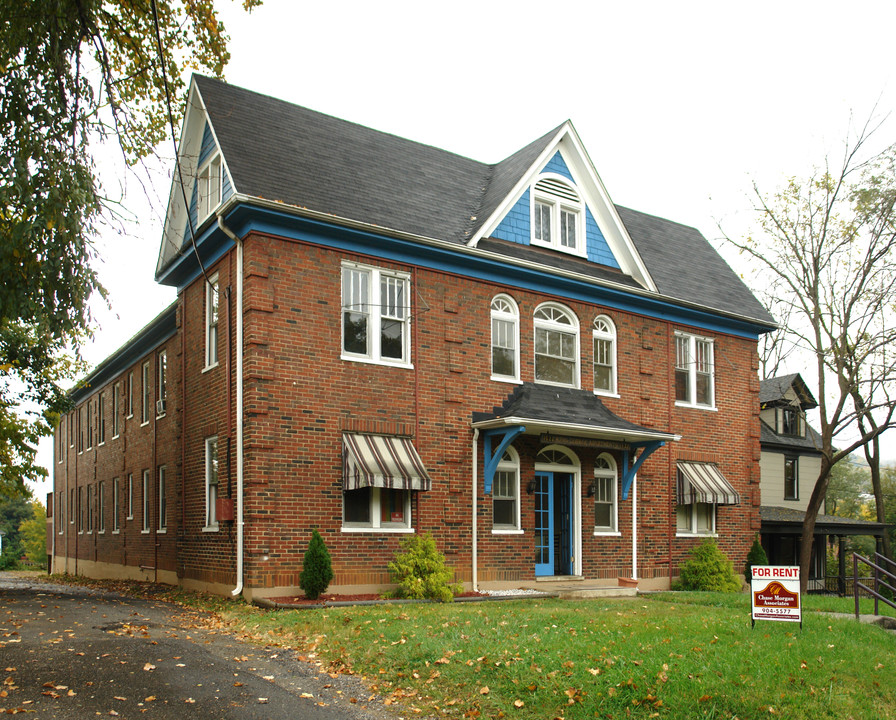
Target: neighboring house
(374,337)
(791,463)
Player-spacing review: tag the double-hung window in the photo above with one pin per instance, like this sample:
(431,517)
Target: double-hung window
(162,383)
(696,519)
(101,419)
(211,483)
(101,506)
(209,188)
(505,339)
(163,501)
(116,512)
(604,335)
(694,372)
(116,410)
(506,494)
(211,322)
(556,345)
(791,478)
(147,501)
(375,315)
(89,406)
(147,393)
(605,509)
(558,215)
(130,500)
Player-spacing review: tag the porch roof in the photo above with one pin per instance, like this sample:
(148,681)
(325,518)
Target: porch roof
(786,521)
(570,411)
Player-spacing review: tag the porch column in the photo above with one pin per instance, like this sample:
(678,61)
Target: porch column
(841,569)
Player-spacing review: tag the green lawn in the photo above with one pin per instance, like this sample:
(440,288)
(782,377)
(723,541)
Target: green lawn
(670,655)
(675,655)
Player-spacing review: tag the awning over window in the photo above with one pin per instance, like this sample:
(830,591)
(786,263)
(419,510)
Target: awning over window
(382,461)
(704,483)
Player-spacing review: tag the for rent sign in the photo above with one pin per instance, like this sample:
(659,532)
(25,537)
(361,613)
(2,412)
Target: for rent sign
(776,593)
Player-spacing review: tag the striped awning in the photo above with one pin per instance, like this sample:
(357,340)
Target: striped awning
(704,483)
(382,461)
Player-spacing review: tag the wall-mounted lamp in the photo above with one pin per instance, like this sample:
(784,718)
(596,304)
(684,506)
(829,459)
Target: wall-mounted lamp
(591,489)
(530,488)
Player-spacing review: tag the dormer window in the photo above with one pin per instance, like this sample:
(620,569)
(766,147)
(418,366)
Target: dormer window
(209,188)
(558,216)
(790,422)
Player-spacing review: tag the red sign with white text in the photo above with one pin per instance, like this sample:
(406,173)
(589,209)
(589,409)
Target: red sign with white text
(775,590)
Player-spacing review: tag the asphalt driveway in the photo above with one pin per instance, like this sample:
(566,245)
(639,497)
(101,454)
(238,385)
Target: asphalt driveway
(71,652)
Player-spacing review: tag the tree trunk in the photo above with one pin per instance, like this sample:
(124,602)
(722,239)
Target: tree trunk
(815,503)
(872,456)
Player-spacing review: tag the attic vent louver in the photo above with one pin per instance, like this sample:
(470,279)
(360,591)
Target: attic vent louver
(557,188)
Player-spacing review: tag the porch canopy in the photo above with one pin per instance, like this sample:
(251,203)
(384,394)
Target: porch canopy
(382,461)
(704,483)
(558,414)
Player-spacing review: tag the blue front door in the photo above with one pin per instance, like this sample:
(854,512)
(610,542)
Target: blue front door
(544,524)
(553,524)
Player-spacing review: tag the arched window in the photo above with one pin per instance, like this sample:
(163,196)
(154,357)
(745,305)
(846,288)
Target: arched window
(506,494)
(604,333)
(556,455)
(505,338)
(558,215)
(604,491)
(556,345)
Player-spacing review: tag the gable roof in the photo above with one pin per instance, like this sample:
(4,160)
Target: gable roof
(280,152)
(773,391)
(808,445)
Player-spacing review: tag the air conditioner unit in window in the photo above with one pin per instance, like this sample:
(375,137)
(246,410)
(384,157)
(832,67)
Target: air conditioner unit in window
(160,407)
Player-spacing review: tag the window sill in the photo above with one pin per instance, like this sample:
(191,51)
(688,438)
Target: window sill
(606,393)
(162,531)
(210,529)
(129,517)
(555,384)
(508,532)
(144,423)
(372,361)
(144,532)
(506,379)
(115,437)
(680,404)
(575,252)
(695,535)
(367,529)
(116,532)
(159,417)
(607,533)
(210,367)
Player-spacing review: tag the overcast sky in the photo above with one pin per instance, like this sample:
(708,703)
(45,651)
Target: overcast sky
(681,106)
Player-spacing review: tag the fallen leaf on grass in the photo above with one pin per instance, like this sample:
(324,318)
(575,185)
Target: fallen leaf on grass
(518,703)
(149,666)
(484,690)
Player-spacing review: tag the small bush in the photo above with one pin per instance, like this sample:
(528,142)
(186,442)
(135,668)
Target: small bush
(420,571)
(756,556)
(317,568)
(708,569)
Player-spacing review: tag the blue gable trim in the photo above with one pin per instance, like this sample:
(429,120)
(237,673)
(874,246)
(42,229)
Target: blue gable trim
(243,219)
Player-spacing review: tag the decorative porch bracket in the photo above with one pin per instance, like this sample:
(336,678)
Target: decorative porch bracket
(628,473)
(491,459)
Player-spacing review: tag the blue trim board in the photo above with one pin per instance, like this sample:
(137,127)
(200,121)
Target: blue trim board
(213,243)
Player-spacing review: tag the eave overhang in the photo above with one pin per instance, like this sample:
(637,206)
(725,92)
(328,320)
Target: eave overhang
(539,427)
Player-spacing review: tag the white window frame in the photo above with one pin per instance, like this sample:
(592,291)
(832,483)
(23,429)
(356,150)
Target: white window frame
(90,509)
(116,410)
(116,512)
(101,508)
(163,501)
(89,406)
(604,332)
(147,394)
(147,502)
(130,513)
(560,198)
(375,509)
(505,329)
(211,483)
(209,187)
(795,464)
(606,492)
(374,308)
(545,319)
(101,419)
(212,316)
(161,383)
(692,530)
(82,511)
(510,465)
(130,398)
(691,344)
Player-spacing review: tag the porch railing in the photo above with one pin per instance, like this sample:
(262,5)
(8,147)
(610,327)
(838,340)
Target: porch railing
(882,577)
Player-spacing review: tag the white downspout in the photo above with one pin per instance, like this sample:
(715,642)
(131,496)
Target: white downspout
(475,508)
(635,527)
(239,405)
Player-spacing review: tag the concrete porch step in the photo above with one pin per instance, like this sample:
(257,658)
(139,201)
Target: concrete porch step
(595,592)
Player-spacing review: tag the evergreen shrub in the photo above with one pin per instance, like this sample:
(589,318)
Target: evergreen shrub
(317,568)
(756,556)
(420,571)
(708,569)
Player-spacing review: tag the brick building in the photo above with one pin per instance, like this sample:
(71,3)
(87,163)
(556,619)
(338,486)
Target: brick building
(374,337)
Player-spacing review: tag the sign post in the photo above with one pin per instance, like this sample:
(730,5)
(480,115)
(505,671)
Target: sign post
(775,592)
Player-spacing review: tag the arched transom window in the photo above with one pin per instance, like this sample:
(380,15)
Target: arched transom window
(604,490)
(505,338)
(558,215)
(556,345)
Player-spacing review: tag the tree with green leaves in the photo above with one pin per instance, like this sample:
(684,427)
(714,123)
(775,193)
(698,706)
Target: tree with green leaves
(824,254)
(75,74)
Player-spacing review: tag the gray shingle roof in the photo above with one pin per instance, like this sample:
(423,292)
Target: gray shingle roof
(286,153)
(779,518)
(768,438)
(559,405)
(773,390)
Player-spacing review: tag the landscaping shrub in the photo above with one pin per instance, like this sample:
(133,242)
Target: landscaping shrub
(420,571)
(756,556)
(317,568)
(708,569)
